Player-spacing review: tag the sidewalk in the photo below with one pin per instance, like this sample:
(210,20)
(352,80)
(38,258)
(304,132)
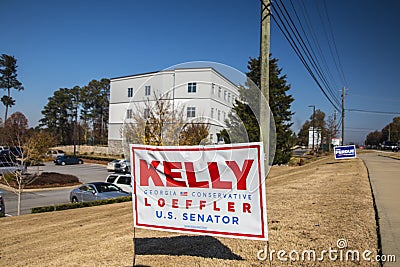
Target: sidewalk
(384,175)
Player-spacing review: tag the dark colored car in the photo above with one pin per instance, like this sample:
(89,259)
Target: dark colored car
(13,151)
(17,151)
(2,206)
(6,153)
(388,145)
(67,160)
(396,148)
(96,191)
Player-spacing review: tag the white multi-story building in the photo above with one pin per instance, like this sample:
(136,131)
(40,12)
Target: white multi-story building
(204,93)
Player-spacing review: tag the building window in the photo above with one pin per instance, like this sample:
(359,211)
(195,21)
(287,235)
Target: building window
(192,87)
(229,97)
(147,90)
(212,113)
(225,93)
(191,112)
(219,91)
(129,114)
(219,115)
(130,92)
(146,113)
(224,115)
(213,89)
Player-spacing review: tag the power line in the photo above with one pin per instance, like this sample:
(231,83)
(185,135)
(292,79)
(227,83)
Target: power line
(303,10)
(300,49)
(310,54)
(315,64)
(356,128)
(374,111)
(337,62)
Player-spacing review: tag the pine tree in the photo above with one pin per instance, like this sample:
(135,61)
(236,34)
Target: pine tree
(279,102)
(8,80)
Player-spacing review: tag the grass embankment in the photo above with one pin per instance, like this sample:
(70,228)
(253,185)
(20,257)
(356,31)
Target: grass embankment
(393,155)
(309,207)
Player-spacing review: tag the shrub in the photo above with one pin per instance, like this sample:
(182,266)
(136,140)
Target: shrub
(68,206)
(92,157)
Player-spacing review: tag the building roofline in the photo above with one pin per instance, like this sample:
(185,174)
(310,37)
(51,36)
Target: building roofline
(173,70)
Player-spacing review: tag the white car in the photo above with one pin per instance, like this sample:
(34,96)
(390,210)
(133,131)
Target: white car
(124,181)
(114,166)
(122,165)
(55,153)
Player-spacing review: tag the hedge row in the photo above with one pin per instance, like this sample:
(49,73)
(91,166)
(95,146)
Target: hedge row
(68,206)
(96,157)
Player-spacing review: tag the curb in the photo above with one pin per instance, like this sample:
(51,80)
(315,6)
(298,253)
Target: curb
(7,188)
(378,229)
(388,156)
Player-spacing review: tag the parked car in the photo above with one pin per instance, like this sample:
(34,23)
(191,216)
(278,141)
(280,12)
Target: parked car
(114,166)
(2,206)
(123,181)
(17,151)
(388,145)
(10,167)
(67,160)
(13,152)
(123,165)
(96,191)
(396,148)
(126,165)
(54,153)
(6,153)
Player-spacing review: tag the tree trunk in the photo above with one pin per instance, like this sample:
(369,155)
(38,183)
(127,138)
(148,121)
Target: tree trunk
(19,199)
(6,113)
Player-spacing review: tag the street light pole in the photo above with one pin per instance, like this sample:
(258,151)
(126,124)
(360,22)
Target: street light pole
(313,126)
(76,118)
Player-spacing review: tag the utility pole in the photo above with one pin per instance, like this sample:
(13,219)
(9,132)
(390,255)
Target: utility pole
(264,61)
(342,116)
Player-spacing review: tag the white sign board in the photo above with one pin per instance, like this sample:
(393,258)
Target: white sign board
(314,136)
(336,141)
(210,190)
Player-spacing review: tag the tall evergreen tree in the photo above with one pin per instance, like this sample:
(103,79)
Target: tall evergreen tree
(242,119)
(95,105)
(8,80)
(58,115)
(279,102)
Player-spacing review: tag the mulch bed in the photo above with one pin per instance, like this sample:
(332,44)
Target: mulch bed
(48,179)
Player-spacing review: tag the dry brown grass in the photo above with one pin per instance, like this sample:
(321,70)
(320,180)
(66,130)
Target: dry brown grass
(394,155)
(309,207)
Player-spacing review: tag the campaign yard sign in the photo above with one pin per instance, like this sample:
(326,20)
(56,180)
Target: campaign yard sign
(345,152)
(210,190)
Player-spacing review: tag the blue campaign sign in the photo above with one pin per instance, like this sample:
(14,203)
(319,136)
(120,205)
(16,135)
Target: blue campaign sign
(345,152)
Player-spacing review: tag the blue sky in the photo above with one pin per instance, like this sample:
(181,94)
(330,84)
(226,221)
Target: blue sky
(60,44)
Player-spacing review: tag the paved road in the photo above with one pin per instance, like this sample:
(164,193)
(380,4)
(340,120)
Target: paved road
(385,179)
(85,173)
